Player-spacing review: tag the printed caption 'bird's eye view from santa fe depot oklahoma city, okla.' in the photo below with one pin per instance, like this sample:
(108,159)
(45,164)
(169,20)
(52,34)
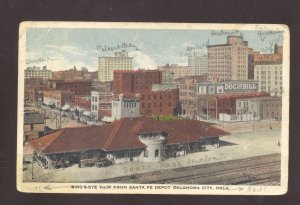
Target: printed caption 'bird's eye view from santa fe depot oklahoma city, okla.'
(153,108)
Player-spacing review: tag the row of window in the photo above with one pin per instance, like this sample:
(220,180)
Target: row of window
(94,107)
(155,97)
(154,104)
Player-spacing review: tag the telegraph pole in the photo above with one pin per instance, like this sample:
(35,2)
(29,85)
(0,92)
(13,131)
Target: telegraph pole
(59,118)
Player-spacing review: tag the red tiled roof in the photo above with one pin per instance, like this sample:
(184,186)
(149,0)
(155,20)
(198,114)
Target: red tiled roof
(123,134)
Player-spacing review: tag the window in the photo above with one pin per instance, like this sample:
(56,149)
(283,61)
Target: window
(157,153)
(146,153)
(120,155)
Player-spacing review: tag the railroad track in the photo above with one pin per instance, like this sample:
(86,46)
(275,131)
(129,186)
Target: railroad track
(241,171)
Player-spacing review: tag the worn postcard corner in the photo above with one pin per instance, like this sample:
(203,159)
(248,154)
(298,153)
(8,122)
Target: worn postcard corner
(153,108)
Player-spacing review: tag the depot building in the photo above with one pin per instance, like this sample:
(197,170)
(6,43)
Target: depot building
(125,140)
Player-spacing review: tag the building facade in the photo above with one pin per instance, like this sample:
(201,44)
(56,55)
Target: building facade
(198,64)
(228,61)
(34,123)
(188,92)
(210,106)
(74,74)
(121,61)
(237,86)
(261,58)
(37,72)
(167,74)
(262,107)
(58,98)
(160,102)
(174,71)
(78,87)
(100,100)
(269,77)
(135,81)
(123,108)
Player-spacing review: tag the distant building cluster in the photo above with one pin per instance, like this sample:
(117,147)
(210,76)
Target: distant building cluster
(37,72)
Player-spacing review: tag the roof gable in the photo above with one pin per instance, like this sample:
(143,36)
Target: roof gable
(123,134)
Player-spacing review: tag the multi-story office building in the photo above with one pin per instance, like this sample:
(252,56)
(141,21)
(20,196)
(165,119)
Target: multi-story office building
(269,77)
(121,61)
(160,102)
(37,72)
(135,81)
(198,64)
(228,61)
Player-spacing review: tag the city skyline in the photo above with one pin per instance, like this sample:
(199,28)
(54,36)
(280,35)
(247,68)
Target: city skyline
(62,49)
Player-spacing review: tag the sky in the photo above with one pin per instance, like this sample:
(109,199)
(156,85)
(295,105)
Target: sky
(64,48)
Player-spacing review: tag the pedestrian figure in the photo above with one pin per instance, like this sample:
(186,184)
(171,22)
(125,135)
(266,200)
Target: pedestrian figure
(270,127)
(278,144)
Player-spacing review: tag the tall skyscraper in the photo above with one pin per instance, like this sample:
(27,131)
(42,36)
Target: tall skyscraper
(228,61)
(198,64)
(107,65)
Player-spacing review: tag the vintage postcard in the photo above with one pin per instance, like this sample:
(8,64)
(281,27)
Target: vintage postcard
(153,108)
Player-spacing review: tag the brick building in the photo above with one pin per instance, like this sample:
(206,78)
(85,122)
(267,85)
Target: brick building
(78,87)
(212,105)
(161,102)
(82,102)
(135,81)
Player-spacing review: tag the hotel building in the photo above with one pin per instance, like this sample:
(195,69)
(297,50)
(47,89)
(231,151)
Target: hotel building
(107,65)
